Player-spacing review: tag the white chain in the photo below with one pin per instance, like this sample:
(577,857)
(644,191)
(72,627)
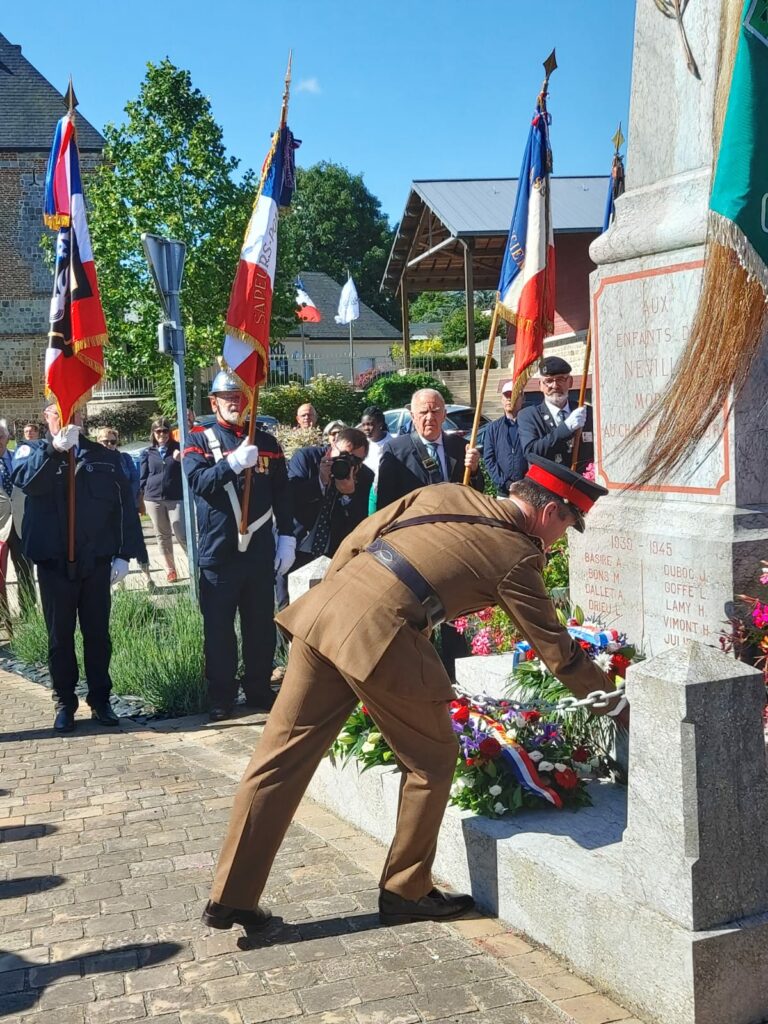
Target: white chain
(597,699)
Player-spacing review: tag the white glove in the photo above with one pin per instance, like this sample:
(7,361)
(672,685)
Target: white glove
(243,457)
(119,570)
(285,554)
(66,438)
(576,419)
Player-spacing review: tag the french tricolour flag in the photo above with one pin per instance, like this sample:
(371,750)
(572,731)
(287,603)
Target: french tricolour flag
(246,345)
(307,310)
(74,359)
(527,282)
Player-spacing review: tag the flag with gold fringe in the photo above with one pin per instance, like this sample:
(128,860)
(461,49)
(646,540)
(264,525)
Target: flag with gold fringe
(527,282)
(730,317)
(74,359)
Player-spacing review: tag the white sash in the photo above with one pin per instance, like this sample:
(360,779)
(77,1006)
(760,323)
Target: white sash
(243,539)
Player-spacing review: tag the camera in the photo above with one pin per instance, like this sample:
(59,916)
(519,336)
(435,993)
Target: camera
(342,465)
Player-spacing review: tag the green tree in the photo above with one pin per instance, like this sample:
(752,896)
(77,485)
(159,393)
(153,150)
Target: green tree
(165,171)
(454,334)
(431,307)
(336,225)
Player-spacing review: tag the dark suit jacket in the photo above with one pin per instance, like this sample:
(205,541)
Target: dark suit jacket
(402,470)
(541,435)
(304,488)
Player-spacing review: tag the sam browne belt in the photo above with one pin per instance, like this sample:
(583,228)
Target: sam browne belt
(399,566)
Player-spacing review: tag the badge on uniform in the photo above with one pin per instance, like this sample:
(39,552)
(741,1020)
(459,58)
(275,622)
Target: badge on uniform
(22,452)
(263,464)
(431,465)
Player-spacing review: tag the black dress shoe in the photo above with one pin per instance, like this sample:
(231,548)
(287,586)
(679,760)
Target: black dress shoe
(262,701)
(435,906)
(104,715)
(64,720)
(217,916)
(219,714)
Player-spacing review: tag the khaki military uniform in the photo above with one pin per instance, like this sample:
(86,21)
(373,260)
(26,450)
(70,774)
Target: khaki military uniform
(363,635)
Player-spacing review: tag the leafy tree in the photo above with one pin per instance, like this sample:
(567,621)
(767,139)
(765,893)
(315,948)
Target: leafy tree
(394,391)
(431,307)
(336,225)
(165,171)
(454,333)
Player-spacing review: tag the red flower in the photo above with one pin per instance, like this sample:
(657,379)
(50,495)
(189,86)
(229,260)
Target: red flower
(567,778)
(489,747)
(365,710)
(620,664)
(530,716)
(530,654)
(580,755)
(461,714)
(584,645)
(469,762)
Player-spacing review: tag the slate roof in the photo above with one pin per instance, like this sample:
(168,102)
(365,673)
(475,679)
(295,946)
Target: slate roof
(30,107)
(325,292)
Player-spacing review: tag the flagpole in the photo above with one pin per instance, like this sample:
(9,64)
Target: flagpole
(254,404)
(351,356)
(71,509)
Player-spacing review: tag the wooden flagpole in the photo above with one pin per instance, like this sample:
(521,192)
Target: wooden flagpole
(254,404)
(71,510)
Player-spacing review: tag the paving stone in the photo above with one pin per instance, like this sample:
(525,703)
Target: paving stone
(437,1003)
(333,995)
(172,1000)
(264,958)
(63,1015)
(384,986)
(150,978)
(275,1006)
(360,965)
(108,986)
(230,990)
(41,977)
(506,944)
(70,993)
(561,986)
(199,971)
(110,1011)
(388,1011)
(317,949)
(11,981)
(500,992)
(212,1015)
(535,964)
(593,1009)
(110,924)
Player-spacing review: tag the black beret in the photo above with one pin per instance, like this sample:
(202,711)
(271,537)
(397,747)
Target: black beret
(551,366)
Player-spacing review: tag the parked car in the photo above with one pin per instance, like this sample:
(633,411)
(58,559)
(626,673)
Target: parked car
(458,420)
(262,422)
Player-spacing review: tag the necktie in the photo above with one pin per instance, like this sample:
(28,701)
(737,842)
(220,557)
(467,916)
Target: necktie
(5,477)
(322,529)
(561,416)
(434,454)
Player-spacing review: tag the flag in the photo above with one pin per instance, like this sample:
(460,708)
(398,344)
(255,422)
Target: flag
(74,359)
(615,188)
(527,281)
(349,304)
(246,345)
(728,328)
(307,311)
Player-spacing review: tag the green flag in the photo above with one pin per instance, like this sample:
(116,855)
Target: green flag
(739,201)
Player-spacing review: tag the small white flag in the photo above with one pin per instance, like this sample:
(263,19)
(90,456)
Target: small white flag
(349,304)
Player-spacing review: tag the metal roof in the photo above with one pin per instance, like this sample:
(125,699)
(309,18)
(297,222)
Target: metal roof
(483,206)
(325,294)
(30,107)
(443,217)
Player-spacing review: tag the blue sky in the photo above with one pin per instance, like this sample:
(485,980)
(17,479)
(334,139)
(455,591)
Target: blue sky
(395,89)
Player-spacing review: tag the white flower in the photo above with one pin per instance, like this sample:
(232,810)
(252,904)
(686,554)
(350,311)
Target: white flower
(546,766)
(499,808)
(469,781)
(368,748)
(373,737)
(456,789)
(603,661)
(460,783)
(560,767)
(494,790)
(511,734)
(536,755)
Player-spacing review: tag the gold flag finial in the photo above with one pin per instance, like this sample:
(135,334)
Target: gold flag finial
(618,139)
(70,100)
(286,91)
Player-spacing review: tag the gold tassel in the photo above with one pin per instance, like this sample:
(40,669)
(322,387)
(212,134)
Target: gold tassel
(523,379)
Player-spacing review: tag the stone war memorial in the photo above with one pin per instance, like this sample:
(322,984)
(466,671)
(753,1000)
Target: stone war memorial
(658,894)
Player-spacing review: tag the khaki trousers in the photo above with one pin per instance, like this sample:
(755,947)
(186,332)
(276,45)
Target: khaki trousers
(314,702)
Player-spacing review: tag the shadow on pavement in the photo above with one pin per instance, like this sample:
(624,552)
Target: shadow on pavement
(17,833)
(279,931)
(39,976)
(14,887)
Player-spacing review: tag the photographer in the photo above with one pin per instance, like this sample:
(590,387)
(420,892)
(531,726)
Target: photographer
(329,486)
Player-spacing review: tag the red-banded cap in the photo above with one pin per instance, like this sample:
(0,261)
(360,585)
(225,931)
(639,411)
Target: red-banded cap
(575,490)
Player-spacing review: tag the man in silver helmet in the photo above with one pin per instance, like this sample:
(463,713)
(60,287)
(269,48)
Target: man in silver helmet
(237,571)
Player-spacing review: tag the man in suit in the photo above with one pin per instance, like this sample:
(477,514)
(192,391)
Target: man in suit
(502,450)
(329,488)
(427,455)
(25,577)
(548,429)
(362,634)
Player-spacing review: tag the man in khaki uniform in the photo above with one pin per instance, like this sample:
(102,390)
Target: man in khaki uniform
(363,635)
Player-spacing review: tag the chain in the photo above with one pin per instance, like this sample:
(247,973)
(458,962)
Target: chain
(597,700)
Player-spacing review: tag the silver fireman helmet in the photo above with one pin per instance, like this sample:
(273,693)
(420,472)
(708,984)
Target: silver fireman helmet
(224,382)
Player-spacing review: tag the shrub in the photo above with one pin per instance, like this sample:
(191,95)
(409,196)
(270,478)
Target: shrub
(132,422)
(157,650)
(454,333)
(364,380)
(333,397)
(293,438)
(395,391)
(447,362)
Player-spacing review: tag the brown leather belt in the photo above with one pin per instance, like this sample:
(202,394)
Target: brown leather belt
(399,566)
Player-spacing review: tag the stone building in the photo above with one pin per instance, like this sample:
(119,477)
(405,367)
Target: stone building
(29,110)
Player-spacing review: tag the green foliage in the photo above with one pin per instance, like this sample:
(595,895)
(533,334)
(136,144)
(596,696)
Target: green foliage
(556,572)
(394,391)
(157,650)
(454,333)
(166,171)
(132,422)
(447,362)
(431,307)
(333,397)
(336,225)
(293,438)
(431,346)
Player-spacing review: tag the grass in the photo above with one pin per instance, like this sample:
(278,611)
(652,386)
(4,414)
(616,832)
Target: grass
(157,650)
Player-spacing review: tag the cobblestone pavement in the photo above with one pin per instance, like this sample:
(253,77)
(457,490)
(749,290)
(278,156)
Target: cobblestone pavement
(107,846)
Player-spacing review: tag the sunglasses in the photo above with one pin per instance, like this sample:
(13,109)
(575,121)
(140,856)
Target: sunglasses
(162,430)
(110,441)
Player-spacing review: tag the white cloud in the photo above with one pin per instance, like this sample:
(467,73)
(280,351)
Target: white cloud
(309,85)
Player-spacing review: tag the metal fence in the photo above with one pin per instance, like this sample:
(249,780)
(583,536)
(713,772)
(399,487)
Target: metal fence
(124,387)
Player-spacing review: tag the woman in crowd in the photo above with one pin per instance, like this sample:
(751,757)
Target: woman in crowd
(160,480)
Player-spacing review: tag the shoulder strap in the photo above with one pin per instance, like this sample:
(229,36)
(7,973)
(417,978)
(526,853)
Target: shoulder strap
(450,517)
(243,540)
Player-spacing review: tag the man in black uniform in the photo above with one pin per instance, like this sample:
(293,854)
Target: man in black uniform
(548,429)
(107,536)
(237,572)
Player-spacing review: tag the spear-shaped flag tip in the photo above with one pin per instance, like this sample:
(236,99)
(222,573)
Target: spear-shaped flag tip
(70,100)
(550,64)
(618,139)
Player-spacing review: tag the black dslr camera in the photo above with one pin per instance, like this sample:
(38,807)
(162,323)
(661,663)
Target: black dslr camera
(343,465)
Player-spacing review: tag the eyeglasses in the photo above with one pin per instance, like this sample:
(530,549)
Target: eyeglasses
(110,441)
(161,430)
(560,378)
